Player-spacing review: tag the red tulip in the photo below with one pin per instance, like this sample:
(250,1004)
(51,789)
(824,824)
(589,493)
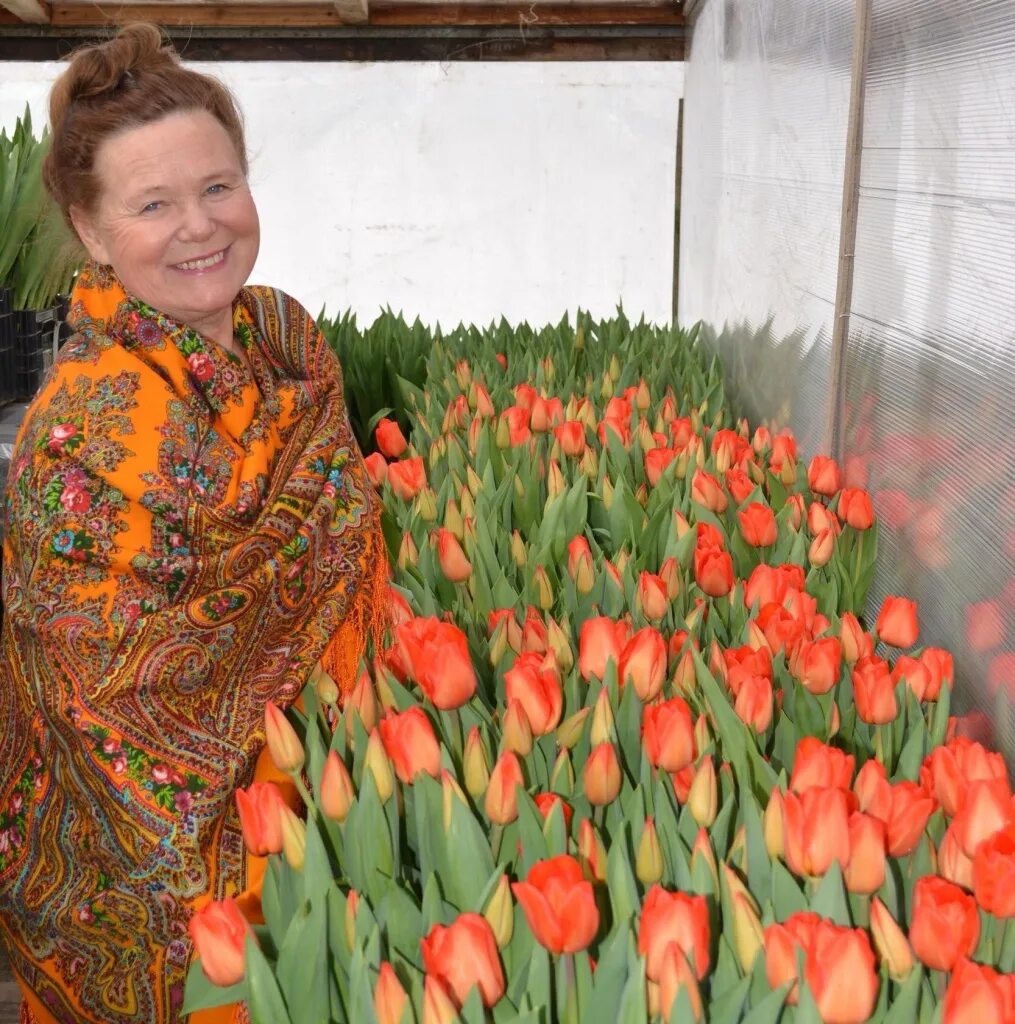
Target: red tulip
(656,462)
(713,571)
(986,809)
(377,468)
(652,595)
(841,974)
(948,771)
(673,918)
(705,490)
(407,477)
(260,806)
(855,508)
(816,829)
(600,640)
(437,656)
(390,998)
(219,931)
(818,664)
(758,525)
(559,905)
(874,691)
(865,871)
(455,566)
(533,681)
(643,663)
(464,956)
(601,776)
(545,802)
(897,625)
(977,994)
(945,925)
(570,436)
(816,764)
(410,743)
(856,642)
(994,873)
(824,476)
(754,702)
(390,440)
(668,735)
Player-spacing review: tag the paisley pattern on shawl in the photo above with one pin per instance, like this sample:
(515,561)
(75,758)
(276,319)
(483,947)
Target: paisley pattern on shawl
(187,535)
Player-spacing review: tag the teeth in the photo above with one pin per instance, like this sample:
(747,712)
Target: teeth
(209,261)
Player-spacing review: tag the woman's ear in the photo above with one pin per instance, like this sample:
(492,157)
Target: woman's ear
(88,232)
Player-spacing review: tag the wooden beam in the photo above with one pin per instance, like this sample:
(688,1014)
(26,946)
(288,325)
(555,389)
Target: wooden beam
(34,11)
(353,12)
(280,15)
(399,12)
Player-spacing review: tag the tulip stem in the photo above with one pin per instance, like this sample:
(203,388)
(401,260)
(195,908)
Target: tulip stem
(305,795)
(570,1015)
(496,838)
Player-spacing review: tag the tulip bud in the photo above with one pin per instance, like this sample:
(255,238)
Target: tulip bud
(326,688)
(787,472)
(681,525)
(648,865)
(562,775)
(426,505)
(607,493)
(453,519)
(390,998)
(519,552)
(408,553)
(703,800)
(702,737)
(336,793)
(748,935)
(377,763)
(756,638)
(283,743)
(693,617)
(555,481)
(591,851)
(601,777)
(544,590)
(822,548)
(498,643)
(500,913)
(517,729)
(450,790)
(476,771)
(623,557)
(501,793)
(890,942)
(502,436)
(702,852)
(645,439)
(473,481)
(774,825)
(385,695)
(363,701)
(463,374)
(467,506)
(602,719)
(570,730)
(294,837)
(685,678)
(351,907)
(560,646)
(669,573)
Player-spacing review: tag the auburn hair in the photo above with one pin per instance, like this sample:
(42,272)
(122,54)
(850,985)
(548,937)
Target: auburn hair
(126,82)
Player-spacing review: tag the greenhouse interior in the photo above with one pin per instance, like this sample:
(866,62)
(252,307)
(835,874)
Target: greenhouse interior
(571,577)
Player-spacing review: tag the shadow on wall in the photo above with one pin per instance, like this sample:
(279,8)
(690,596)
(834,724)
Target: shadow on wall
(945,497)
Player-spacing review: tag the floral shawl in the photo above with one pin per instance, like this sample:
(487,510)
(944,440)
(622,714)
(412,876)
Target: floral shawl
(187,535)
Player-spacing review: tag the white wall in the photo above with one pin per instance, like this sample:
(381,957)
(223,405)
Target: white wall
(460,191)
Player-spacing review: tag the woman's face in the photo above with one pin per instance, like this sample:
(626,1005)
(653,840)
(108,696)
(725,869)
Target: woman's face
(175,218)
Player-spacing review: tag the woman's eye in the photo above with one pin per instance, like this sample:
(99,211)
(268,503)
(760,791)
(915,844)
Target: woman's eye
(217,189)
(151,207)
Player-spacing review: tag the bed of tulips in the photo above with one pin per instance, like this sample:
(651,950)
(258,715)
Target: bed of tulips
(632,753)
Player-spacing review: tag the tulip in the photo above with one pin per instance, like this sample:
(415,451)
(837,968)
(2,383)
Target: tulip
(952,861)
(816,764)
(865,871)
(890,941)
(336,793)
(406,478)
(648,864)
(437,654)
(260,808)
(840,973)
(410,743)
(911,809)
(570,436)
(656,462)
(897,625)
(569,732)
(438,1006)
(425,504)
(706,490)
(600,641)
(283,743)
(559,905)
(464,956)
(856,643)
(874,692)
(294,838)
(377,469)
(517,731)
(652,596)
(474,766)
(390,998)
(643,663)
(559,644)
(363,701)
(770,584)
(758,525)
(816,829)
(377,763)
(544,589)
(219,932)
(824,476)
(601,775)
(774,825)
(986,809)
(519,552)
(754,702)
(940,668)
(579,564)
(501,792)
(677,975)
(390,439)
(947,771)
(945,923)
(818,664)
(994,873)
(678,919)
(914,672)
(713,571)
(703,799)
(762,440)
(782,943)
(977,994)
(821,549)
(546,413)
(855,508)
(668,735)
(535,685)
(453,562)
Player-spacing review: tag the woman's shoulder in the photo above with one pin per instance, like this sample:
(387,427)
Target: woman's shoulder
(276,301)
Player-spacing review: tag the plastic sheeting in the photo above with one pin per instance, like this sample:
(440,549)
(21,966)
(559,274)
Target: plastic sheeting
(929,368)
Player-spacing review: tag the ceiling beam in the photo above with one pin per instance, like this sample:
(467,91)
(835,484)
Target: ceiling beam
(34,11)
(353,12)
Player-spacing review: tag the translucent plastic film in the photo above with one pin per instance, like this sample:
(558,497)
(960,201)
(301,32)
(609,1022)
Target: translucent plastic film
(930,362)
(766,102)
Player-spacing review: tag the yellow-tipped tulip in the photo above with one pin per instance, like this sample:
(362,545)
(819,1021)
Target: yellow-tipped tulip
(326,688)
(607,493)
(467,505)
(756,638)
(294,838)
(681,525)
(703,852)
(685,679)
(642,397)
(450,791)
(283,743)
(544,589)
(570,730)
(408,552)
(774,825)
(601,777)
(559,645)
(702,736)
(453,519)
(703,799)
(475,768)
(336,793)
(517,729)
(648,863)
(351,907)
(591,851)
(555,481)
(562,774)
(502,793)
(426,505)
(519,552)
(363,701)
(748,935)
(472,481)
(500,913)
(890,941)
(602,719)
(377,763)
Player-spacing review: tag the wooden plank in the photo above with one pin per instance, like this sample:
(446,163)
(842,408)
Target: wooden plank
(34,11)
(353,12)
(391,13)
(10,994)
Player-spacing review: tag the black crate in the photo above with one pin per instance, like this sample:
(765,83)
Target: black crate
(8,363)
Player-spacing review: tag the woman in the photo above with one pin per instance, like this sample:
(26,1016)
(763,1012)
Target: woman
(190,532)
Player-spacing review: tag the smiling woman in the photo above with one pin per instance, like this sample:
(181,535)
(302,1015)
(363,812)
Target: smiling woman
(190,534)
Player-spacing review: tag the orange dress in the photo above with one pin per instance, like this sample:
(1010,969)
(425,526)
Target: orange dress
(187,536)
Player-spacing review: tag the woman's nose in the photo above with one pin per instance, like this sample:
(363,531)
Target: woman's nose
(196,223)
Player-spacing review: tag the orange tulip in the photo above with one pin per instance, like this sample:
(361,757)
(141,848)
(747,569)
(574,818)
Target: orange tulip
(782,941)
(559,905)
(820,520)
(668,735)
(911,809)
(856,642)
(840,973)
(390,439)
(464,956)
(915,673)
(600,640)
(643,663)
(758,525)
(656,462)
(260,806)
(824,476)
(987,808)
(502,790)
(591,851)
(673,918)
(940,668)
(713,571)
(781,628)
(652,595)
(855,508)
(570,436)
(744,662)
(816,764)
(897,625)
(818,664)
(283,743)
(601,776)
(770,584)
(407,477)
(816,829)
(890,941)
(945,923)
(453,562)
(865,871)
(874,692)
(952,861)
(390,998)
(437,656)
(948,771)
(739,485)
(821,549)
(336,792)
(994,873)
(410,743)
(977,994)
(546,413)
(545,802)
(219,931)
(377,468)
(754,702)
(669,573)
(705,490)
(533,681)
(438,1006)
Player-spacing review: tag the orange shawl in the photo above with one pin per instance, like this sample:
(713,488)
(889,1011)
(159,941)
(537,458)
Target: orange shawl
(187,536)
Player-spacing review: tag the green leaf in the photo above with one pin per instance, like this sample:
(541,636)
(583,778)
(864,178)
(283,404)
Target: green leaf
(904,1008)
(302,969)
(202,994)
(264,999)
(830,899)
